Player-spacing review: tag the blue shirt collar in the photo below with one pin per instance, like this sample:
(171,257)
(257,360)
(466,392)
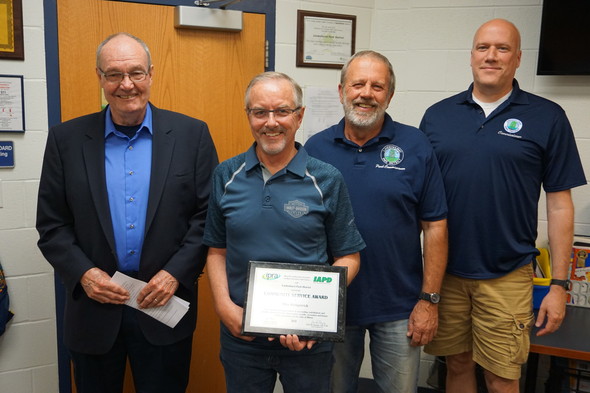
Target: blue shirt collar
(517,97)
(387,131)
(109,127)
(296,166)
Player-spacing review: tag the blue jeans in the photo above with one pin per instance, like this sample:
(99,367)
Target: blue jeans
(394,362)
(298,373)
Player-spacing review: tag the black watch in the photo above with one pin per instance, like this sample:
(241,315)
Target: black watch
(433,298)
(566,284)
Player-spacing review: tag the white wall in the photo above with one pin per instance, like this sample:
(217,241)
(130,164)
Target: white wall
(28,355)
(428,44)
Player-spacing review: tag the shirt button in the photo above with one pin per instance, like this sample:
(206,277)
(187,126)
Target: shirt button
(267,199)
(131,226)
(131,173)
(360,150)
(130,147)
(132,252)
(131,199)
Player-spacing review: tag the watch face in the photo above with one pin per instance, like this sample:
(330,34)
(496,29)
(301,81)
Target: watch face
(430,297)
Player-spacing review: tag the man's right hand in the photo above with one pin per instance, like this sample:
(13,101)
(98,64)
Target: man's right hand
(231,317)
(98,286)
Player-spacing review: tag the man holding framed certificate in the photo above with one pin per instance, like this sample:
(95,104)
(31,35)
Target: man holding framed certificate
(276,204)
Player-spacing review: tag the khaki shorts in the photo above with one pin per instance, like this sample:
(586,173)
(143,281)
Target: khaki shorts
(491,317)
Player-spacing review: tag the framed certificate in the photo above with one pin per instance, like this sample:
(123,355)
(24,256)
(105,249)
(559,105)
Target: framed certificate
(12,103)
(324,40)
(291,298)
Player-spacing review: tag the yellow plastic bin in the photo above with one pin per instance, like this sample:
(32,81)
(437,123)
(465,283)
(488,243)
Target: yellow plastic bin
(541,284)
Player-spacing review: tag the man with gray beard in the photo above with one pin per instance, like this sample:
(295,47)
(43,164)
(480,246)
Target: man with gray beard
(397,192)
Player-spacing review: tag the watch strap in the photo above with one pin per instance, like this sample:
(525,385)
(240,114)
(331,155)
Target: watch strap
(566,284)
(433,298)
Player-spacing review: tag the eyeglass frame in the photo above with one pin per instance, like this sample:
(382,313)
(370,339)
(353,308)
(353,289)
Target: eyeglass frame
(273,111)
(123,75)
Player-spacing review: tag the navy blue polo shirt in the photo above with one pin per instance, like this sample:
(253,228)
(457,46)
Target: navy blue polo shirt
(394,183)
(296,216)
(493,169)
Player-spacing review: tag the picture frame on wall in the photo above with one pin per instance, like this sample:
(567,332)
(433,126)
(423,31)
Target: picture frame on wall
(324,40)
(11,39)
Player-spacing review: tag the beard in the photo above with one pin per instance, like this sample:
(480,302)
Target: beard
(361,119)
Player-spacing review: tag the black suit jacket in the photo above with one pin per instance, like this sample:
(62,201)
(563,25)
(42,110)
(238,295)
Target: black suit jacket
(75,228)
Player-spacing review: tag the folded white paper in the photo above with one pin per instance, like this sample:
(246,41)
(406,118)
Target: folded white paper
(170,314)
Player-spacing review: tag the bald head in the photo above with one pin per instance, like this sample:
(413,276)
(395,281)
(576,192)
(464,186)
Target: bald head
(500,25)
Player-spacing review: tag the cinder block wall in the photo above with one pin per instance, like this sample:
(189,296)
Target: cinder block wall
(28,354)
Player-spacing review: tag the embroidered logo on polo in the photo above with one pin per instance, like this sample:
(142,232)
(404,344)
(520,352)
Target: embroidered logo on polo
(512,126)
(296,208)
(392,156)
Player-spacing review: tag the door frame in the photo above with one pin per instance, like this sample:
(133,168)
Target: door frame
(267,7)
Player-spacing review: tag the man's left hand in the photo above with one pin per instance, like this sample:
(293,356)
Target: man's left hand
(293,342)
(158,290)
(423,323)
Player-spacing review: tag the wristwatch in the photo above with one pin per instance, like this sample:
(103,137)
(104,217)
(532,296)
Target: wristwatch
(433,298)
(566,284)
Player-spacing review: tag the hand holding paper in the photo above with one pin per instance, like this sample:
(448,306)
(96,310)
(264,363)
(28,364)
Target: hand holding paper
(170,314)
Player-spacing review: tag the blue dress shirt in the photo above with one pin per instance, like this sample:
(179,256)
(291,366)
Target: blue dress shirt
(127,169)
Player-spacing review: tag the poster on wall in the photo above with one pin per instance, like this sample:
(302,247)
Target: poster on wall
(11,30)
(12,104)
(322,109)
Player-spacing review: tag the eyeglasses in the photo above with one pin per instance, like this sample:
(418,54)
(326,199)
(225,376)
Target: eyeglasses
(280,113)
(117,77)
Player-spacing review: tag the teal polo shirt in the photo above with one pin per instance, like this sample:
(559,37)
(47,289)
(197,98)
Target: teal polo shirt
(301,214)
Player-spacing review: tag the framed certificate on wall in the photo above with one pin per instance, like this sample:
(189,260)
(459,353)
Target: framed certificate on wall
(324,40)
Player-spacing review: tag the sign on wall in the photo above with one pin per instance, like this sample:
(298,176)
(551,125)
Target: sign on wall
(6,154)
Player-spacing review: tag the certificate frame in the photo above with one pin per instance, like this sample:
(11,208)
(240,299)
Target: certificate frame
(307,286)
(12,46)
(12,103)
(324,40)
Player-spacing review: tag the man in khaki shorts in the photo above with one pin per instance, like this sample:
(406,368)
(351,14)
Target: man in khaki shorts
(497,145)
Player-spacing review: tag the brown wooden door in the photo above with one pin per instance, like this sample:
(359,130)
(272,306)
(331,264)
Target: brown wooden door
(199,73)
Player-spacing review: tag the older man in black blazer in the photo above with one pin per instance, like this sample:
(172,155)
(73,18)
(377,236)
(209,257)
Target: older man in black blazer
(126,189)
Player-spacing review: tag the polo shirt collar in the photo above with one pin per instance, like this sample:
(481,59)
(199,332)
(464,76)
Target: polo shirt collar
(517,97)
(297,165)
(387,131)
(110,126)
